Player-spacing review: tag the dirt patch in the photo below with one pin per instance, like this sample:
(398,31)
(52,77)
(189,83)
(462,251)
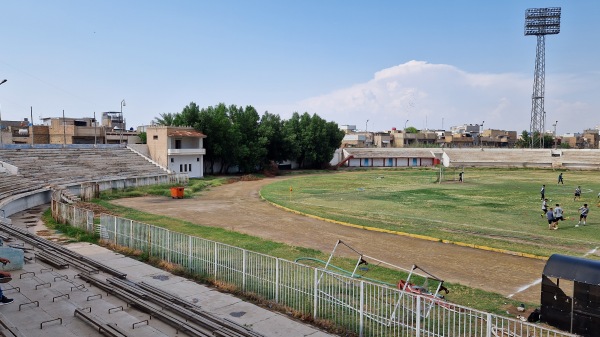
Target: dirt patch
(237,206)
(247,177)
(52,235)
(98,209)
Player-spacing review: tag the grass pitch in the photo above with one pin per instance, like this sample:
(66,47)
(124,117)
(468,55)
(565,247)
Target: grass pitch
(498,208)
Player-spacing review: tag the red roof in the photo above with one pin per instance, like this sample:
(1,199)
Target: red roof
(185,133)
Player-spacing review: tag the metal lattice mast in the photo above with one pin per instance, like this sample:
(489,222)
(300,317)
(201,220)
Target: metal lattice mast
(538,116)
(540,22)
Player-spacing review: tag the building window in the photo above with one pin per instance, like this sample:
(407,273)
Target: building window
(190,167)
(180,167)
(172,160)
(177,143)
(155,137)
(197,159)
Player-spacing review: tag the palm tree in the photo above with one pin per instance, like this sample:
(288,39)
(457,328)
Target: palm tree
(166,119)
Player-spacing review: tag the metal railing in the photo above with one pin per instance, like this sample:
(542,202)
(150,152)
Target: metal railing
(361,307)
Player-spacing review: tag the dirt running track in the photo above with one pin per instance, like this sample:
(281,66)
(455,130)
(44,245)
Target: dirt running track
(238,207)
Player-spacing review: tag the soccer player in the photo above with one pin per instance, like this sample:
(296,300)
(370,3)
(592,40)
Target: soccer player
(577,193)
(543,191)
(544,207)
(558,215)
(550,217)
(560,179)
(583,212)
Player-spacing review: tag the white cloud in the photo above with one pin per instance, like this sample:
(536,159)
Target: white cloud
(429,94)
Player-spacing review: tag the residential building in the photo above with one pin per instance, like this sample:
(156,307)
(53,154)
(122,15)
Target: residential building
(348,128)
(180,149)
(574,140)
(399,138)
(382,139)
(498,138)
(591,139)
(87,130)
(354,140)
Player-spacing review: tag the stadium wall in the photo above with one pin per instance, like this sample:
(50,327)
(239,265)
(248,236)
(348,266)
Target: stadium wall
(20,202)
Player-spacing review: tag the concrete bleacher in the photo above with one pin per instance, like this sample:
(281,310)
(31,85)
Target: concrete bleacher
(121,297)
(64,166)
(580,159)
(586,159)
(11,184)
(477,157)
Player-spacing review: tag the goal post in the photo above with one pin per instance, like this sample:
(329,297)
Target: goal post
(449,174)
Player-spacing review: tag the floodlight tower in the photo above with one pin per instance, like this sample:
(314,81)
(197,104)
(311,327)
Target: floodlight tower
(540,22)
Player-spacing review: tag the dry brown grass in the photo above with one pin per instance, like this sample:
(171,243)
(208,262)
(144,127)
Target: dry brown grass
(121,249)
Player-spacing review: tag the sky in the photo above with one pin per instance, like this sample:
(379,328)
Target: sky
(374,64)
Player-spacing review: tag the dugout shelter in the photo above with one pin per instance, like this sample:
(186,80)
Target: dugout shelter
(571,294)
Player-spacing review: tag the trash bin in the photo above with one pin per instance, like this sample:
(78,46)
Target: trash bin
(177,192)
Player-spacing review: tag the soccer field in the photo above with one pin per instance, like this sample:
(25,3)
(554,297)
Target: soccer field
(498,208)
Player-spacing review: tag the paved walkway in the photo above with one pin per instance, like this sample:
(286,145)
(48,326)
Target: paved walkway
(42,293)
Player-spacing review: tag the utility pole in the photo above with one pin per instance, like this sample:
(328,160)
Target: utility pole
(555,140)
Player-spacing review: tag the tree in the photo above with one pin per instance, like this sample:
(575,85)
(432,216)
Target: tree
(143,137)
(313,139)
(411,129)
(189,116)
(249,150)
(525,141)
(215,124)
(271,133)
(291,135)
(166,119)
(239,137)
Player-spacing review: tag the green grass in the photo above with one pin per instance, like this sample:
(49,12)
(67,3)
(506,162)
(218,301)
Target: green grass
(194,187)
(499,208)
(76,234)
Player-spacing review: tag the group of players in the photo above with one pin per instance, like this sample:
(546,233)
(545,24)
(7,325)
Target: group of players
(555,214)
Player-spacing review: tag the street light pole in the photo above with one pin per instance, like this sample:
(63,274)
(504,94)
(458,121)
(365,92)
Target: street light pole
(555,140)
(481,135)
(404,131)
(122,122)
(367,126)
(1,143)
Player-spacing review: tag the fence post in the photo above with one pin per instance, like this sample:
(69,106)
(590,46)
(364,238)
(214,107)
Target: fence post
(216,257)
(276,280)
(190,268)
(90,222)
(489,325)
(361,324)
(150,243)
(130,233)
(315,295)
(115,230)
(168,246)
(418,317)
(244,261)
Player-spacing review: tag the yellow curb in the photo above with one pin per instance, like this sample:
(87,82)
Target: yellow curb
(416,236)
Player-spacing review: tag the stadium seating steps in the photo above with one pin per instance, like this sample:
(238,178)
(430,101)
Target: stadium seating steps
(39,168)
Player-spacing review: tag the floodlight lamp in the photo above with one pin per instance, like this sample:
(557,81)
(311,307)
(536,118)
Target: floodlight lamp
(542,21)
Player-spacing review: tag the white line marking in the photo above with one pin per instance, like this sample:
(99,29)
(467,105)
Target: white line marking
(593,251)
(523,288)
